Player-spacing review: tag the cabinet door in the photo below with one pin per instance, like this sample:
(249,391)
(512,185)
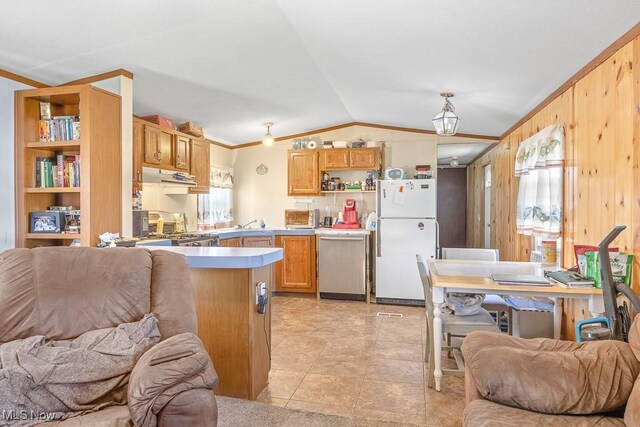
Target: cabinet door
(363,158)
(297,270)
(200,166)
(165,143)
(138,154)
(230,243)
(182,150)
(151,145)
(304,175)
(335,158)
(257,242)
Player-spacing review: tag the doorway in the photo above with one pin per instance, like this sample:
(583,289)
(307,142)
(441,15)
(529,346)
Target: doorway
(487,206)
(452,207)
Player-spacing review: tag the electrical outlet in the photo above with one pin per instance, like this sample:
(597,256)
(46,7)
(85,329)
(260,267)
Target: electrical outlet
(261,289)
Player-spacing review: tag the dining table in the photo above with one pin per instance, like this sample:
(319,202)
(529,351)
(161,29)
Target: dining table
(475,277)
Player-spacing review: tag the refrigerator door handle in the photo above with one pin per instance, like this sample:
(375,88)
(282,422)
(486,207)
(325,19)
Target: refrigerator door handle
(378,240)
(437,239)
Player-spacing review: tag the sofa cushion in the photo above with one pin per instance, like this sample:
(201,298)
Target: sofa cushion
(63,292)
(632,412)
(483,413)
(551,376)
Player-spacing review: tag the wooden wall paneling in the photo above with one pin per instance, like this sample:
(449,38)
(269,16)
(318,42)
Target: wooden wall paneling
(634,203)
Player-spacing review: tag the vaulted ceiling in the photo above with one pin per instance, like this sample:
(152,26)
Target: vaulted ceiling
(231,65)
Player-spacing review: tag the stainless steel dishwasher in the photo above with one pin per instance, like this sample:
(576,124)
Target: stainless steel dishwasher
(342,266)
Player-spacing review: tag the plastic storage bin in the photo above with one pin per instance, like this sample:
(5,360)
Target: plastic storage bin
(531,318)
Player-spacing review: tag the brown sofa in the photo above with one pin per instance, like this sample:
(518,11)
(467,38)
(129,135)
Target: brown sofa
(513,381)
(63,292)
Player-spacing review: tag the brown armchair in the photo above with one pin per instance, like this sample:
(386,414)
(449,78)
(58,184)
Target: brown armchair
(514,381)
(63,292)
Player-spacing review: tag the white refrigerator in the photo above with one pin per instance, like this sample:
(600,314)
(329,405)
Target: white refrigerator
(406,227)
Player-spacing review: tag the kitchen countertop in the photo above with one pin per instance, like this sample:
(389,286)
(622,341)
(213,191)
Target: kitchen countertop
(210,257)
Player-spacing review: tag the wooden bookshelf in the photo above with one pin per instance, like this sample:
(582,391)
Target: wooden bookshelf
(99,196)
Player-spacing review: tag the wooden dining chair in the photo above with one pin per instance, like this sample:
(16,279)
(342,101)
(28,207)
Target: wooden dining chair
(451,324)
(491,303)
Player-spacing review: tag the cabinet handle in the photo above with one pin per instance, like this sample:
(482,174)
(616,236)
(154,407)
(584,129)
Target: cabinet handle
(291,189)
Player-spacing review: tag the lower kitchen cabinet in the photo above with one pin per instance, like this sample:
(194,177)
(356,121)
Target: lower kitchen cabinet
(231,243)
(297,270)
(257,242)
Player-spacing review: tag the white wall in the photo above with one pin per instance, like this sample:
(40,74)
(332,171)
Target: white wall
(265,196)
(7,170)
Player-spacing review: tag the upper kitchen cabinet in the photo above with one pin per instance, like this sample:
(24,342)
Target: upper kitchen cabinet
(350,158)
(303,173)
(138,153)
(182,150)
(158,147)
(336,158)
(200,166)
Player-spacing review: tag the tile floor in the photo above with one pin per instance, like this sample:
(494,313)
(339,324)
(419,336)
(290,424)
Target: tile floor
(339,357)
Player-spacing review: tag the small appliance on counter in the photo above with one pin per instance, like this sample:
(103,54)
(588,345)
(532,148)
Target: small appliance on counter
(348,218)
(302,218)
(140,223)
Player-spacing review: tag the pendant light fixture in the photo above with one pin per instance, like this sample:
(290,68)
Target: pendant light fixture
(454,162)
(268,139)
(446,122)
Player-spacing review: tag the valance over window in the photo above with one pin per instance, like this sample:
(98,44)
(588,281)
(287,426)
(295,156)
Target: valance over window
(221,177)
(539,164)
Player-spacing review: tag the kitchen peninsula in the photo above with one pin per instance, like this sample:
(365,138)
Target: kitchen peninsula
(234,327)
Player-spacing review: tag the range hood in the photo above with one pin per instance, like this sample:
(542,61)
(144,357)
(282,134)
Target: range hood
(164,177)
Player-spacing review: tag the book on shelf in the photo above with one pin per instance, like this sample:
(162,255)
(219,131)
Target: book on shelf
(60,171)
(57,128)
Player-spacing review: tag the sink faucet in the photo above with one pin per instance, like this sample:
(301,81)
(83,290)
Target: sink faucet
(242,227)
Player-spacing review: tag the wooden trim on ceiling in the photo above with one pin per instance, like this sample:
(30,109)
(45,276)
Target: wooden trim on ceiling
(21,79)
(371,125)
(594,63)
(98,77)
(424,131)
(479,156)
(219,144)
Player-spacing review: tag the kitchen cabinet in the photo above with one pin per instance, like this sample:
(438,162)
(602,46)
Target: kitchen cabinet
(257,242)
(336,158)
(200,166)
(350,158)
(158,147)
(297,270)
(182,150)
(234,242)
(138,154)
(364,158)
(303,173)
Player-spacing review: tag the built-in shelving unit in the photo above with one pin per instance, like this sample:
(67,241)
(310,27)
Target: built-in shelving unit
(99,150)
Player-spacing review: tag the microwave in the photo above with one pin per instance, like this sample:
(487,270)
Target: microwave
(302,218)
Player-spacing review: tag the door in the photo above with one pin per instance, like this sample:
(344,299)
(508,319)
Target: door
(399,240)
(138,153)
(297,270)
(487,206)
(165,145)
(335,158)
(182,153)
(200,166)
(230,243)
(452,202)
(363,158)
(414,198)
(303,174)
(151,145)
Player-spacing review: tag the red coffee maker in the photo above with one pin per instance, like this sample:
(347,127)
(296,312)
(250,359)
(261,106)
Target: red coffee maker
(349,216)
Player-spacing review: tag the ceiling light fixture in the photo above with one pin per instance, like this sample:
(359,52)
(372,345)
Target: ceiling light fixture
(446,122)
(268,139)
(454,162)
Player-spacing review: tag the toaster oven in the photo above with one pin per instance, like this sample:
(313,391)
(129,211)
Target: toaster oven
(301,218)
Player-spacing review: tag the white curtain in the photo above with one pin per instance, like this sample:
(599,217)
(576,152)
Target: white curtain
(217,206)
(221,177)
(539,164)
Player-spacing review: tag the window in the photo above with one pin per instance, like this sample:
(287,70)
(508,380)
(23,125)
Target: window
(215,208)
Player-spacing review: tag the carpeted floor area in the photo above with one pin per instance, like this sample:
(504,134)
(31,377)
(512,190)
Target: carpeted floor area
(244,413)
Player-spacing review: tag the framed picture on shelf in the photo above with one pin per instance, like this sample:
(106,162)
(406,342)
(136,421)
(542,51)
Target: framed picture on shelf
(46,222)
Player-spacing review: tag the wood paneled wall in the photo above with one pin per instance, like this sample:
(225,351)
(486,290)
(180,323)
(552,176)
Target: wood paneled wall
(601,117)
